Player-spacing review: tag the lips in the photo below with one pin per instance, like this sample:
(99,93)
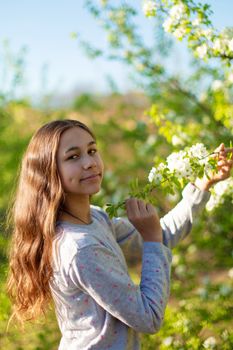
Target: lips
(93,176)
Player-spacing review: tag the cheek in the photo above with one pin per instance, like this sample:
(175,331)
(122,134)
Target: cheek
(66,174)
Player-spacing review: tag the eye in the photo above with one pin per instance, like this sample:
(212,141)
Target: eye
(92,151)
(74,155)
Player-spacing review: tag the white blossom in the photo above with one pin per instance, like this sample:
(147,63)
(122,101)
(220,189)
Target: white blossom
(175,259)
(203,96)
(140,67)
(222,44)
(179,33)
(179,139)
(196,22)
(175,158)
(178,163)
(151,174)
(202,50)
(151,140)
(175,15)
(209,343)
(176,140)
(230,78)
(149,8)
(230,45)
(154,175)
(198,150)
(161,167)
(185,169)
(230,273)
(177,11)
(219,190)
(217,44)
(212,203)
(186,164)
(167,25)
(180,271)
(207,33)
(217,85)
(168,341)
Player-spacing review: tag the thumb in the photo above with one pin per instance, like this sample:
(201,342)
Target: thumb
(220,148)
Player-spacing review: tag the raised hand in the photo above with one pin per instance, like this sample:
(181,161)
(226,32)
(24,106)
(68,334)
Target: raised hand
(224,166)
(145,219)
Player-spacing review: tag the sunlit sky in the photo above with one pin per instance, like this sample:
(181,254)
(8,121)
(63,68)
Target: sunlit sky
(45,28)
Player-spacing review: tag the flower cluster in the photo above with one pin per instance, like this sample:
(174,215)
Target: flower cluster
(214,44)
(210,343)
(149,8)
(180,167)
(183,164)
(189,164)
(191,21)
(175,19)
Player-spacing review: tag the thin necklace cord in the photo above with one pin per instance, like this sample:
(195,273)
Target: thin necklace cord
(76,217)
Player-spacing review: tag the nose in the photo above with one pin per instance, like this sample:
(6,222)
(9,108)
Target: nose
(89,162)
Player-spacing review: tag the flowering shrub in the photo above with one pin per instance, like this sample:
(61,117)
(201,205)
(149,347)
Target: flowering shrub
(179,168)
(190,20)
(149,8)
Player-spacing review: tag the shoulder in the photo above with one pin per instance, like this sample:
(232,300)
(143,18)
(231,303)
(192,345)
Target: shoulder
(67,242)
(101,215)
(96,210)
(71,238)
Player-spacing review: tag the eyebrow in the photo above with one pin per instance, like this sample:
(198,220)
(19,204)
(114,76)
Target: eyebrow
(78,148)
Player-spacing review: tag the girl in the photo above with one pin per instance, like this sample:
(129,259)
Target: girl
(69,250)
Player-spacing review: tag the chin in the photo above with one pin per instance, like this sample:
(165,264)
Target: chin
(96,191)
(93,190)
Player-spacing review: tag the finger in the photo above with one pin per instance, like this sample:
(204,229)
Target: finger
(219,151)
(222,156)
(142,207)
(225,162)
(226,152)
(225,169)
(132,207)
(150,208)
(220,148)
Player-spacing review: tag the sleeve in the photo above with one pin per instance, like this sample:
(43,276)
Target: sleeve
(97,270)
(128,238)
(176,224)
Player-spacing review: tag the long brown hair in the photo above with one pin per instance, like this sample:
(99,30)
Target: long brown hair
(33,214)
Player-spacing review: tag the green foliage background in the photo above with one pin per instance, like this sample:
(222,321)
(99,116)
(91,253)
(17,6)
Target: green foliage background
(133,131)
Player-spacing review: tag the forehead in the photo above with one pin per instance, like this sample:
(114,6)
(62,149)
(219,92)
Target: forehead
(75,136)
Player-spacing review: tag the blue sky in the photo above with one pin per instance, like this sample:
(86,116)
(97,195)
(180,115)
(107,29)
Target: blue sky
(44,27)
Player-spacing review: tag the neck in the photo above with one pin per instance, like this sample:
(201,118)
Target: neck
(76,213)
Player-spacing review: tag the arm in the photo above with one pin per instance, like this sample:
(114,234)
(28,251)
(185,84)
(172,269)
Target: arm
(98,271)
(178,222)
(175,225)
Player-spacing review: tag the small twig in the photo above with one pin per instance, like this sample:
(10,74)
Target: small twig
(227,150)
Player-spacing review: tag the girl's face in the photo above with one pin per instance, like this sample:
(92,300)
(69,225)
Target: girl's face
(79,163)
